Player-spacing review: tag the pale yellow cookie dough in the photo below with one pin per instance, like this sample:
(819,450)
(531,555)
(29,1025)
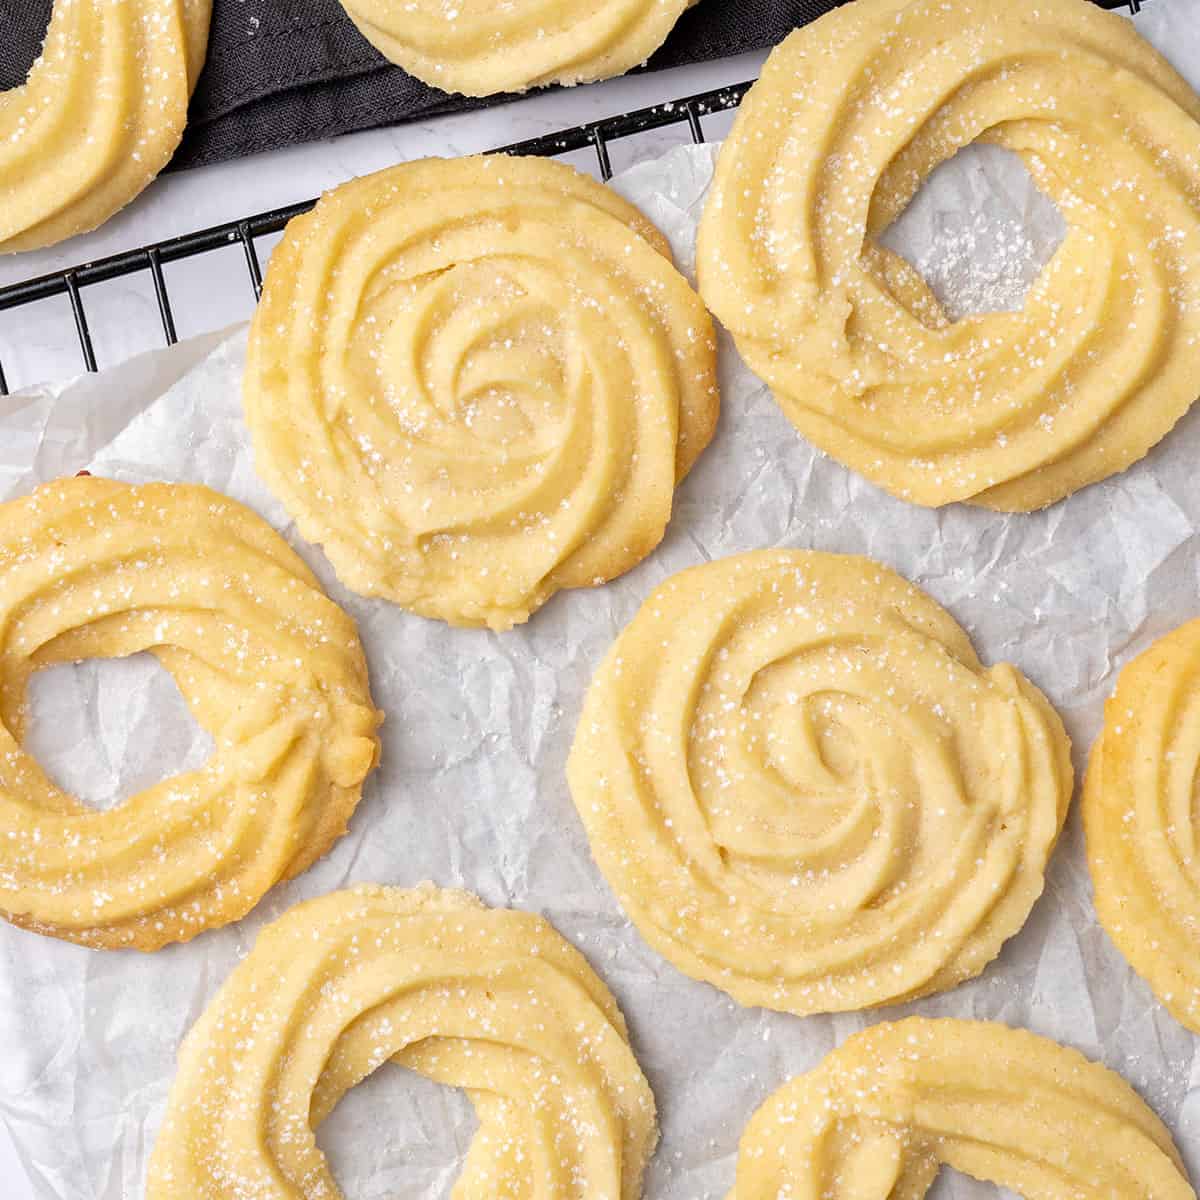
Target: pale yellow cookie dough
(805,789)
(1013,411)
(1140,816)
(477,381)
(269,666)
(100,115)
(480,47)
(490,1000)
(882,1114)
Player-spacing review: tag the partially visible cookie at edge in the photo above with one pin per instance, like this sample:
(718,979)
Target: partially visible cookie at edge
(1140,819)
(100,115)
(268,665)
(482,47)
(494,1001)
(885,1111)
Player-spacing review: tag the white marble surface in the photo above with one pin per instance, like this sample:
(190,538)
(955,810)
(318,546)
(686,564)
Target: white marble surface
(210,292)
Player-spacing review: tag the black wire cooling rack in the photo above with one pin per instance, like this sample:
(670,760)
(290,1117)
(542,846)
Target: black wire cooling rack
(73,282)
(598,135)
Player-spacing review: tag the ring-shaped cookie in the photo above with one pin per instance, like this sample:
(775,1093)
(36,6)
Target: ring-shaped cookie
(1009,410)
(485,47)
(1140,818)
(272,668)
(477,381)
(490,1000)
(879,1117)
(100,115)
(805,789)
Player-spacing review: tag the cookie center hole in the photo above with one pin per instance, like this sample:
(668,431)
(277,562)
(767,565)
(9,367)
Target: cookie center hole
(398,1136)
(979,232)
(106,729)
(22,42)
(954,1185)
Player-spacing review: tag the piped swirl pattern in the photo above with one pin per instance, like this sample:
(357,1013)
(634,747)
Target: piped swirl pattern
(805,789)
(100,115)
(476,382)
(879,1117)
(490,1000)
(479,47)
(269,666)
(1139,809)
(1013,411)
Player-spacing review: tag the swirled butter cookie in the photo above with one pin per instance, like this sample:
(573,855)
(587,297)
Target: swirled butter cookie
(100,115)
(476,382)
(269,666)
(1008,410)
(479,47)
(805,789)
(1140,819)
(490,1000)
(883,1113)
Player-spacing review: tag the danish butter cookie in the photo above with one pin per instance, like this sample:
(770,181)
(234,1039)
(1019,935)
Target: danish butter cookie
(476,382)
(100,115)
(805,789)
(880,1116)
(479,47)
(1012,411)
(490,1000)
(1140,819)
(269,666)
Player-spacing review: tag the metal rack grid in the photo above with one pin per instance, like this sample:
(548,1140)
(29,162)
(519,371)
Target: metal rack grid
(597,135)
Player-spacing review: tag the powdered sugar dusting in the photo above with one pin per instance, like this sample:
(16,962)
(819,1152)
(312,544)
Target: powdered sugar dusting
(979,231)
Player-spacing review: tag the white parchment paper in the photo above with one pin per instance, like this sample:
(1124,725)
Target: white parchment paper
(471,790)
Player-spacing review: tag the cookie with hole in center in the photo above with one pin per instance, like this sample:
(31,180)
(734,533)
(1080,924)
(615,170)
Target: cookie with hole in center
(490,1000)
(1009,410)
(268,665)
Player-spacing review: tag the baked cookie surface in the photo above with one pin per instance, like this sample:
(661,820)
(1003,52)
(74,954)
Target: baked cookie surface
(490,1000)
(100,115)
(477,381)
(805,789)
(1013,411)
(268,665)
(1140,819)
(480,47)
(883,1113)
